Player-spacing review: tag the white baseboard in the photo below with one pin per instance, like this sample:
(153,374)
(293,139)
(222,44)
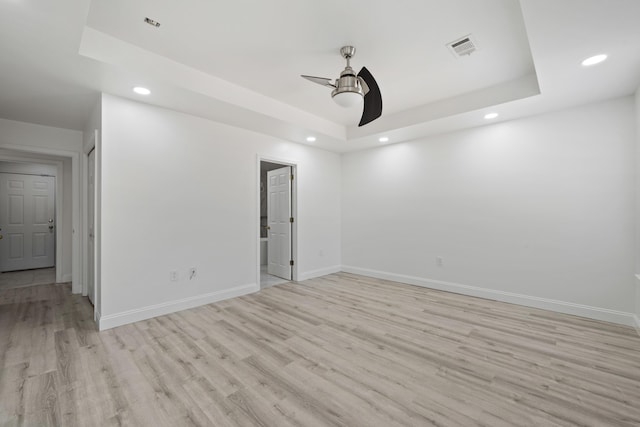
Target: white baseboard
(66,278)
(597,313)
(118,319)
(317,273)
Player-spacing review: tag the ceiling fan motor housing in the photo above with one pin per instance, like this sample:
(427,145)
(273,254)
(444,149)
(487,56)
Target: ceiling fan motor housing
(348,82)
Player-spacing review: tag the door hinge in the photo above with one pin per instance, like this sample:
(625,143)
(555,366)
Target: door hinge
(291,262)
(291,219)
(291,177)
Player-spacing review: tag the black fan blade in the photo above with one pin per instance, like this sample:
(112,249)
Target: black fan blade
(372,98)
(320,80)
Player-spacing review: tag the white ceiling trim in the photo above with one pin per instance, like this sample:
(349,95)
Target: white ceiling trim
(260,113)
(112,51)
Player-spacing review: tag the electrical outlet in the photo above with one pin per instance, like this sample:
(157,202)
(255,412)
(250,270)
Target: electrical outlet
(173,275)
(193,272)
(439,261)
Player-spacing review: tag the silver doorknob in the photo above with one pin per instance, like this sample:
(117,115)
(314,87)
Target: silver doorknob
(50,220)
(51,227)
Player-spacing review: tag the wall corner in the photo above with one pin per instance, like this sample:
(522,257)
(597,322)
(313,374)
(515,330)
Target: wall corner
(636,313)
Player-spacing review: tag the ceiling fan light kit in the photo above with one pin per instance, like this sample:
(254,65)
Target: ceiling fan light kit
(351,89)
(347,99)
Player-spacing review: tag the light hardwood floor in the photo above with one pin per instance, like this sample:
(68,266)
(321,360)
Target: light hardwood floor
(267,280)
(18,279)
(342,350)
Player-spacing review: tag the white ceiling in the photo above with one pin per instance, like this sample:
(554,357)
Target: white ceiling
(240,62)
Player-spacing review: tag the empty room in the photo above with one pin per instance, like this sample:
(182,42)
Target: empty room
(280,213)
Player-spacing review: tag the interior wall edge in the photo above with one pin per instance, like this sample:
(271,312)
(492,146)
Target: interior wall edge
(596,313)
(148,312)
(320,272)
(636,316)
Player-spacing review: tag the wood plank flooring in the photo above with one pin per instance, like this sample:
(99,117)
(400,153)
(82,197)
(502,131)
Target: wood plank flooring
(23,278)
(341,350)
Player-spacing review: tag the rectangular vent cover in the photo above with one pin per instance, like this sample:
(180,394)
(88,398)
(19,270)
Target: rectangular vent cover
(152,22)
(463,46)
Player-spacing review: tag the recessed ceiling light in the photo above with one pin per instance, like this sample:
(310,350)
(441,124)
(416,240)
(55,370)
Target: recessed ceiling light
(490,116)
(141,90)
(311,139)
(384,139)
(594,60)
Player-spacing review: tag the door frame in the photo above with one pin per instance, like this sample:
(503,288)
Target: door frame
(76,228)
(92,144)
(282,268)
(58,198)
(294,212)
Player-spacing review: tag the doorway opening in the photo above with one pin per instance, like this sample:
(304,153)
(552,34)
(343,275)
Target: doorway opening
(28,224)
(277,222)
(90,228)
(67,230)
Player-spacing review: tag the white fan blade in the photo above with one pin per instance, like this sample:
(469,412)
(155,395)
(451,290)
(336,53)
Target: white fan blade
(320,80)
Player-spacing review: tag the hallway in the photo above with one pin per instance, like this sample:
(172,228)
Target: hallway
(20,279)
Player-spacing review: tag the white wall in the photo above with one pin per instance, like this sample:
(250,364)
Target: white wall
(28,168)
(94,123)
(538,211)
(29,136)
(181,191)
(36,142)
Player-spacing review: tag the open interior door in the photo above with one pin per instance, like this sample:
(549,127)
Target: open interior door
(279,220)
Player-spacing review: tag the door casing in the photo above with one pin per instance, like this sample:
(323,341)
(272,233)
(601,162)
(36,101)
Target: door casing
(90,229)
(294,212)
(16,155)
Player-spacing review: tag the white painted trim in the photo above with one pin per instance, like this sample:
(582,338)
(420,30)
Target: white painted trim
(97,225)
(126,317)
(67,278)
(90,145)
(597,313)
(85,237)
(76,224)
(321,272)
(59,201)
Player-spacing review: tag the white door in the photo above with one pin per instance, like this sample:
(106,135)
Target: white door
(91,291)
(279,222)
(27,222)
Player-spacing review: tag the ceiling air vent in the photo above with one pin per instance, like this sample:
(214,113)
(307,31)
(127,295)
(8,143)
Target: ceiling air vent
(152,22)
(463,46)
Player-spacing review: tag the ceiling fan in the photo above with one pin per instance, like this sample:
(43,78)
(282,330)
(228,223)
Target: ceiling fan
(350,89)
